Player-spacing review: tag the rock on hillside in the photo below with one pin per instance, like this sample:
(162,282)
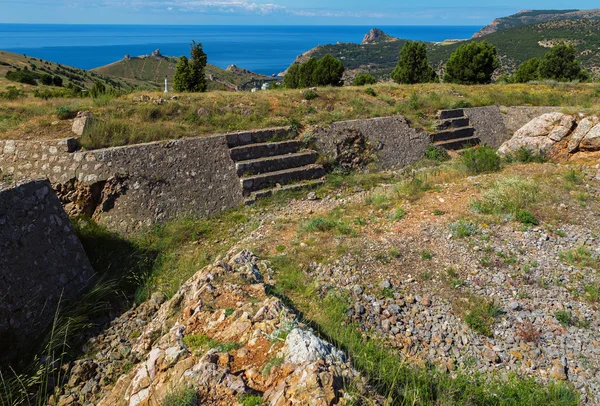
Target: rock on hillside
(376,35)
(220,335)
(526,17)
(552,132)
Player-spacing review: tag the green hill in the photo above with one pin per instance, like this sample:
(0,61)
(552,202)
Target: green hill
(10,62)
(514,45)
(154,68)
(527,17)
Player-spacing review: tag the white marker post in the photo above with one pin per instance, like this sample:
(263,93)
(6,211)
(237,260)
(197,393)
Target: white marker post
(166,85)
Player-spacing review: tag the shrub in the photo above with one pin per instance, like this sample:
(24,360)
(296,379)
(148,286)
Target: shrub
(57,81)
(528,332)
(483,159)
(482,317)
(65,113)
(364,79)
(22,76)
(472,63)
(399,214)
(370,91)
(412,189)
(189,73)
(528,71)
(327,71)
(12,93)
(525,156)
(413,66)
(322,224)
(250,400)
(436,154)
(527,218)
(580,257)
(46,79)
(463,228)
(309,95)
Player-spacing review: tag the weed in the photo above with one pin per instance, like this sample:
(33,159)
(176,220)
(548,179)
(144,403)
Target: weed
(280,248)
(229,312)
(580,257)
(379,201)
(464,228)
(425,276)
(65,113)
(412,189)
(309,95)
(482,317)
(438,212)
(566,319)
(250,400)
(200,342)
(395,253)
(523,155)
(508,195)
(528,332)
(573,176)
(426,255)
(322,225)
(436,154)
(273,362)
(399,214)
(181,397)
(382,257)
(483,159)
(592,293)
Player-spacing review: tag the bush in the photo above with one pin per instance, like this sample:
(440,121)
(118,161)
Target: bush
(436,154)
(46,80)
(560,63)
(65,113)
(483,159)
(327,71)
(472,63)
(309,95)
(482,317)
(22,76)
(523,155)
(528,71)
(413,66)
(463,228)
(12,93)
(364,79)
(370,91)
(181,397)
(57,81)
(527,218)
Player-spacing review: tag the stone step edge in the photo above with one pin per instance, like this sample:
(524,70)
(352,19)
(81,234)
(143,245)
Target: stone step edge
(264,193)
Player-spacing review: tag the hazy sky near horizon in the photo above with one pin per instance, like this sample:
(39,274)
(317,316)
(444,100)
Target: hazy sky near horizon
(326,12)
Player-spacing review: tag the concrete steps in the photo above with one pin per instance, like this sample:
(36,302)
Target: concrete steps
(261,150)
(454,131)
(268,180)
(268,162)
(275,163)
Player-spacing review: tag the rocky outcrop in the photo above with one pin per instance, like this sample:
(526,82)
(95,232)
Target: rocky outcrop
(82,122)
(376,35)
(549,133)
(220,336)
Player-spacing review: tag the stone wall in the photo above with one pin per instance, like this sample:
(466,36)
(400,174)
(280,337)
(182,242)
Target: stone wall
(489,125)
(41,259)
(392,142)
(126,188)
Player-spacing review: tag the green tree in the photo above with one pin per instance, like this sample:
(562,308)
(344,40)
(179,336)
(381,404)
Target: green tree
(413,66)
(198,62)
(57,81)
(527,71)
(560,63)
(472,63)
(306,73)
(46,79)
(328,72)
(364,79)
(183,80)
(290,80)
(189,73)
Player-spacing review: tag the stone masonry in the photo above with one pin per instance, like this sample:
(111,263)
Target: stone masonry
(42,263)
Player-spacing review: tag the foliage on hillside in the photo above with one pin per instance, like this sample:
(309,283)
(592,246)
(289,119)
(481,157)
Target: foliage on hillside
(38,69)
(154,70)
(514,47)
(527,17)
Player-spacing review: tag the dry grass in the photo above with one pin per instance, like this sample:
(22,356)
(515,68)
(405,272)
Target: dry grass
(217,112)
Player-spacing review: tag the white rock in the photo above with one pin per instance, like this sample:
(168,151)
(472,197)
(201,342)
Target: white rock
(540,134)
(591,142)
(583,128)
(82,122)
(303,347)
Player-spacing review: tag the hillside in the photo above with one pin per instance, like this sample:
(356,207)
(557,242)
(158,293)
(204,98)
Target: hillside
(85,79)
(527,17)
(155,67)
(514,45)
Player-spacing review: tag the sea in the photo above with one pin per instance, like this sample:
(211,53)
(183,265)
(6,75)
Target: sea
(262,49)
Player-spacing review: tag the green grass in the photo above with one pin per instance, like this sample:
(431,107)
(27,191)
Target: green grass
(273,362)
(388,372)
(580,257)
(567,319)
(250,400)
(509,195)
(426,255)
(181,397)
(202,342)
(399,214)
(321,224)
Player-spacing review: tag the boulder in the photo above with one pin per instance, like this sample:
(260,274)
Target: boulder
(591,141)
(303,347)
(540,134)
(583,128)
(82,122)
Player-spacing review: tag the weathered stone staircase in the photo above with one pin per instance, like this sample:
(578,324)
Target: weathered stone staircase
(454,131)
(272,160)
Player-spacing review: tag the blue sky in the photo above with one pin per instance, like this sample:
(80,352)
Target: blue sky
(328,12)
